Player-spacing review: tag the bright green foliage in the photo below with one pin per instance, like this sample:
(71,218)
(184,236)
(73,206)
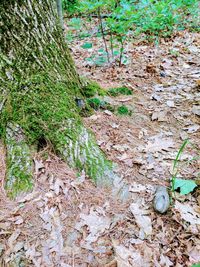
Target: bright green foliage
(119,91)
(186,186)
(124,19)
(75,23)
(90,6)
(97,103)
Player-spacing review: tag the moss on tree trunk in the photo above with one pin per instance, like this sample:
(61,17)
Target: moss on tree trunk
(38,87)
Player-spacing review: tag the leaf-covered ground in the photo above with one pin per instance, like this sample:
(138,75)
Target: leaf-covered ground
(67,221)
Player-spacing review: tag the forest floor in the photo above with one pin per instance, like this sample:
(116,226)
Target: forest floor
(67,221)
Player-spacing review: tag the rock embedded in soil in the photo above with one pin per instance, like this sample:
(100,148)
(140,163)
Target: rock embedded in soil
(161,200)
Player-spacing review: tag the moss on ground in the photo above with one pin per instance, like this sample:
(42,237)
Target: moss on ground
(92,88)
(119,91)
(123,110)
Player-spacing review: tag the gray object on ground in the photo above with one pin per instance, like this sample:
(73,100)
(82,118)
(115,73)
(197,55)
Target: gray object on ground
(161,200)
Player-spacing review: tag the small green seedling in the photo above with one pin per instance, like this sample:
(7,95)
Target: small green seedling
(185,186)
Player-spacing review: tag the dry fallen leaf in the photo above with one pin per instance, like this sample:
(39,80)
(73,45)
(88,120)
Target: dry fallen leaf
(38,166)
(96,223)
(170,103)
(142,220)
(165,261)
(160,116)
(187,212)
(128,257)
(28,197)
(13,237)
(19,220)
(159,144)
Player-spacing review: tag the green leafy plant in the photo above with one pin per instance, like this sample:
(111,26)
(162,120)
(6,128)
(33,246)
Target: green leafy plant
(97,103)
(185,186)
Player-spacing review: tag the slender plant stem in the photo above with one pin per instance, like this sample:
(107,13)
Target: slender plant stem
(111,44)
(121,53)
(103,34)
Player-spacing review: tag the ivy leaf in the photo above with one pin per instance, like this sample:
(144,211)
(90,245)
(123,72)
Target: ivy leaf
(186,186)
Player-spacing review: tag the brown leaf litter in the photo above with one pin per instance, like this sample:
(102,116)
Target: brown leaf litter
(67,221)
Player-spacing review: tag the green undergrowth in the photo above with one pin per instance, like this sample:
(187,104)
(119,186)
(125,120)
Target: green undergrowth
(119,91)
(95,103)
(120,22)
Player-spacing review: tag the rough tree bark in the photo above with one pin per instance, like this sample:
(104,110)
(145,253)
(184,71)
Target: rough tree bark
(60,14)
(38,87)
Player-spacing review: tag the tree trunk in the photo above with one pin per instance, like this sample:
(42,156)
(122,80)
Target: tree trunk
(38,87)
(60,14)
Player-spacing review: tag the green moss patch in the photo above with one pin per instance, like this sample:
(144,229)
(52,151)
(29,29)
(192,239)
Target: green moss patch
(94,103)
(92,88)
(40,106)
(97,103)
(123,110)
(46,109)
(119,91)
